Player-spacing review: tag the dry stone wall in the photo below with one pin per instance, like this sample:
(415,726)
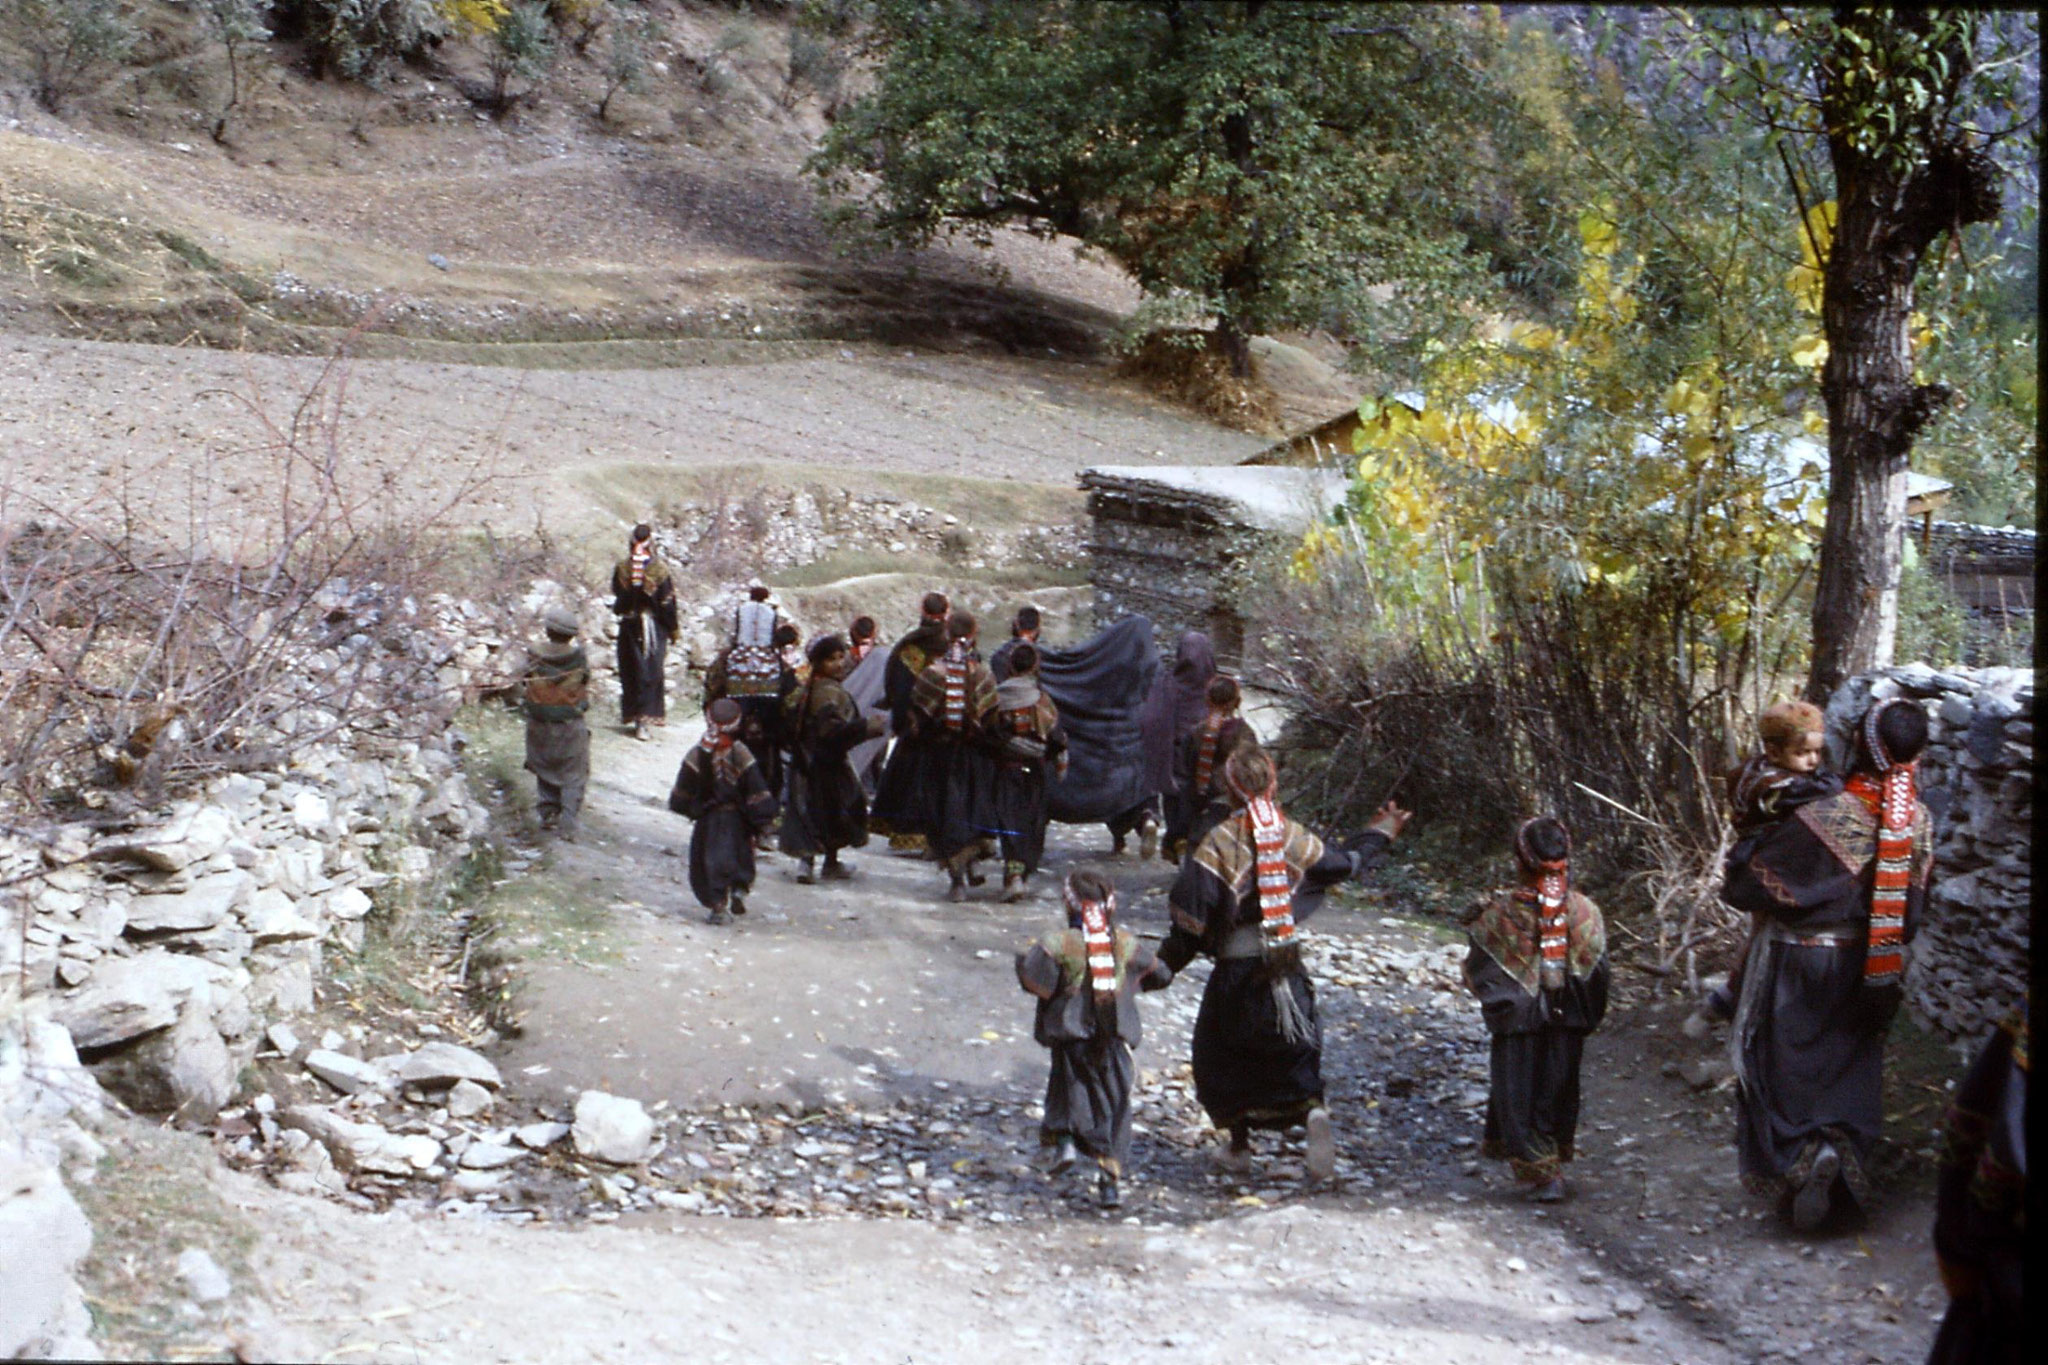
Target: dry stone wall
(145,957)
(1970,961)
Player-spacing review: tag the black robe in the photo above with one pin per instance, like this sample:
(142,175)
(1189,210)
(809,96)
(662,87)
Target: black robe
(1088,1094)
(730,804)
(1980,1224)
(908,772)
(1539,1031)
(825,807)
(1014,809)
(647,622)
(1808,1040)
(1191,814)
(1247,1069)
(951,804)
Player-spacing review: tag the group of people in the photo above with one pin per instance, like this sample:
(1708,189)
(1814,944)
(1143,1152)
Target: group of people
(1833,871)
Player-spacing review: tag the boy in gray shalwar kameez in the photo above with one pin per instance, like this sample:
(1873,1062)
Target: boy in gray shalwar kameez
(556,693)
(1087,979)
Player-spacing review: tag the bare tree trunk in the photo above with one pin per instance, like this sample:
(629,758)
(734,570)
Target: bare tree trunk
(1888,215)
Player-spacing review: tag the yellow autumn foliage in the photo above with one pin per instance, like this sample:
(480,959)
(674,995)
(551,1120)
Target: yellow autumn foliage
(473,16)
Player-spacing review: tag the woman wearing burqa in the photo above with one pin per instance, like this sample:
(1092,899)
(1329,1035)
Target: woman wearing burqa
(1179,701)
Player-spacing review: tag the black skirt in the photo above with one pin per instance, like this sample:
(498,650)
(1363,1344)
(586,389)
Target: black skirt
(721,856)
(1246,1069)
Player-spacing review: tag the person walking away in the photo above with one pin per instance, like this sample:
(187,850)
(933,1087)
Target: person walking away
(826,809)
(1086,980)
(1178,702)
(896,810)
(644,600)
(1783,775)
(1030,750)
(1024,627)
(949,712)
(1239,899)
(1200,799)
(556,693)
(752,672)
(1538,964)
(719,787)
(1980,1206)
(1841,886)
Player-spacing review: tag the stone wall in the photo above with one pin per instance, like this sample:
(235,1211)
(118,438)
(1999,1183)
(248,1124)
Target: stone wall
(1970,962)
(146,949)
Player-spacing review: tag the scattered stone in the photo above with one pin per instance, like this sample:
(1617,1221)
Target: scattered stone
(541,1136)
(488,1156)
(612,1129)
(1629,1304)
(438,1064)
(281,1037)
(347,1074)
(209,902)
(466,1099)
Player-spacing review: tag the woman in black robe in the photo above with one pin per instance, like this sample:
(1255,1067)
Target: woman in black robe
(1980,1207)
(1820,989)
(720,788)
(826,807)
(1539,967)
(1178,701)
(1030,749)
(644,600)
(907,772)
(1257,1046)
(1086,980)
(949,713)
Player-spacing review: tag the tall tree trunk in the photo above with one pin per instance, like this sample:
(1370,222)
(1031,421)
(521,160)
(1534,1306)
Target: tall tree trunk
(1887,216)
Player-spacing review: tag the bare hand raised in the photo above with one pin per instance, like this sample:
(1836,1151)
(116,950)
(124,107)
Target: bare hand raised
(1390,820)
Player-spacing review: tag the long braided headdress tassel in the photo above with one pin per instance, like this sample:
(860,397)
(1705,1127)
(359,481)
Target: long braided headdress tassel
(1276,901)
(1093,919)
(1884,960)
(1205,750)
(955,666)
(1551,900)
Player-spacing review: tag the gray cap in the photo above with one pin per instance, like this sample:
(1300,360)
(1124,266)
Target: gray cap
(560,621)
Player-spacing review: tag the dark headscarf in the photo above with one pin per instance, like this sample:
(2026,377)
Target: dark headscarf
(1178,703)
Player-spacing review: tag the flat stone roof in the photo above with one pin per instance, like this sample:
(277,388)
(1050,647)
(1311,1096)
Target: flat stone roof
(1262,497)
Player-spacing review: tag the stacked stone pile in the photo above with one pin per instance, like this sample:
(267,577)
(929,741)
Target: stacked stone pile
(1970,962)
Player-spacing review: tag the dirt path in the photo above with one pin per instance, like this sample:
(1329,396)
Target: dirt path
(880,996)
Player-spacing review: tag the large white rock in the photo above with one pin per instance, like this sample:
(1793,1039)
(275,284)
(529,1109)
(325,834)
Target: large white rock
(204,1280)
(363,1146)
(345,1073)
(346,903)
(489,1156)
(187,1070)
(272,917)
(611,1128)
(311,812)
(437,1064)
(209,902)
(44,1235)
(193,835)
(132,996)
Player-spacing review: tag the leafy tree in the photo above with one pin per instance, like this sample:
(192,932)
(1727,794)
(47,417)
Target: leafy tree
(67,40)
(233,23)
(355,38)
(1909,108)
(1250,160)
(625,57)
(523,46)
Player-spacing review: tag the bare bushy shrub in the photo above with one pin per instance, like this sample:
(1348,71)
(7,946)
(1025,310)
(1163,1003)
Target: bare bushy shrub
(142,651)
(68,42)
